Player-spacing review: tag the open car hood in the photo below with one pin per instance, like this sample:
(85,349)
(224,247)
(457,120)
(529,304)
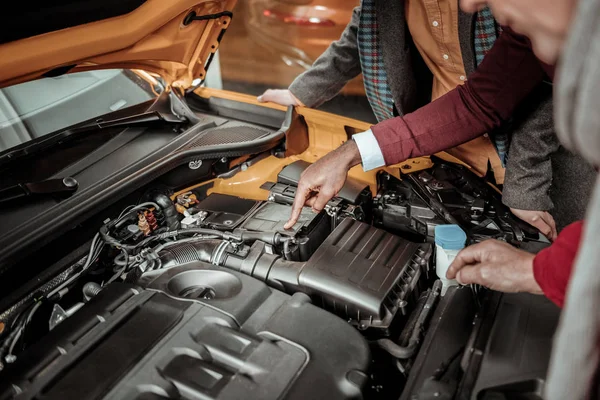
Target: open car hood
(175,39)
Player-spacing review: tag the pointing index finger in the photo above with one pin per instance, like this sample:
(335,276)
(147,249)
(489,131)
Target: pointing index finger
(299,200)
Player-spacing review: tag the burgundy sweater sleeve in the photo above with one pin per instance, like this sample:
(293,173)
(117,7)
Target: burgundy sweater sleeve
(508,73)
(552,266)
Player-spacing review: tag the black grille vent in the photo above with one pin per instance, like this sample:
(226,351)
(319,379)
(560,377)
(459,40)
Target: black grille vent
(229,134)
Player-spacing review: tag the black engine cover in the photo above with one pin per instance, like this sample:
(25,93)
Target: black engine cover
(246,341)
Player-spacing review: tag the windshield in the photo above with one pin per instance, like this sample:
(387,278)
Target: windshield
(33,109)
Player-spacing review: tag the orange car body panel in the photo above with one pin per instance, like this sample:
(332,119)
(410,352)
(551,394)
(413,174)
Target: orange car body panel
(153,38)
(325,133)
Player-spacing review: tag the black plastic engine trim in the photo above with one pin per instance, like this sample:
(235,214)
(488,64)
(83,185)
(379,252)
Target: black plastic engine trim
(237,110)
(37,232)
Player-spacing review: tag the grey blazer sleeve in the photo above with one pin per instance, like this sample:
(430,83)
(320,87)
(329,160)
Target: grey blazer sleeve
(529,168)
(332,70)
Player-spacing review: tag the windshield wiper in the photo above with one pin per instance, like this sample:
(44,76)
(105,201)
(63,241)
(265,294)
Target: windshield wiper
(131,120)
(62,186)
(142,119)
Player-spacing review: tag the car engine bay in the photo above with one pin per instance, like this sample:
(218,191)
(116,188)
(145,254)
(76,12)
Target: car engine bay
(198,295)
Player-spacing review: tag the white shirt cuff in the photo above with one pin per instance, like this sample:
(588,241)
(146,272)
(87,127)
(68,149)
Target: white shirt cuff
(370,153)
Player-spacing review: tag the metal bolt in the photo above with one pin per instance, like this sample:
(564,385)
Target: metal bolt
(195,164)
(425,177)
(91,289)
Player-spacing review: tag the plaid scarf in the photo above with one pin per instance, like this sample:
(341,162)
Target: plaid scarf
(486,33)
(373,70)
(374,74)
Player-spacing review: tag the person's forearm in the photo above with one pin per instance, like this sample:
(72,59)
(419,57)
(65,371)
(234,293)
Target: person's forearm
(348,154)
(506,76)
(552,266)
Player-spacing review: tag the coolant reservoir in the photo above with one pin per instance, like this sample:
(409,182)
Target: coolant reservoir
(449,240)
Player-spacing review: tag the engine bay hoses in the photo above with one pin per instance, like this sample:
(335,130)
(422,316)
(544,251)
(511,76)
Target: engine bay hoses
(405,352)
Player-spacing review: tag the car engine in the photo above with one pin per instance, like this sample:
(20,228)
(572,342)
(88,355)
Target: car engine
(189,295)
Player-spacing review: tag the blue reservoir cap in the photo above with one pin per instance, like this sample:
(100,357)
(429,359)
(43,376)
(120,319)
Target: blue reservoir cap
(450,237)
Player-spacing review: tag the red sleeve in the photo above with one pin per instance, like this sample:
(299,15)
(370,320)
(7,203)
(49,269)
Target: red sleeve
(552,266)
(505,77)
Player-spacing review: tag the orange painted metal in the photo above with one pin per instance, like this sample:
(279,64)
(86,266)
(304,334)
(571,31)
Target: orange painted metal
(152,38)
(326,132)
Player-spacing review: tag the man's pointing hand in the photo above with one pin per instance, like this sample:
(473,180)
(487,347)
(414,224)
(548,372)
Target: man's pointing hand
(323,180)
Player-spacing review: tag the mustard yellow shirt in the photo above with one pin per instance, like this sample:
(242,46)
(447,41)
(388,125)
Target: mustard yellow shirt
(433,25)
